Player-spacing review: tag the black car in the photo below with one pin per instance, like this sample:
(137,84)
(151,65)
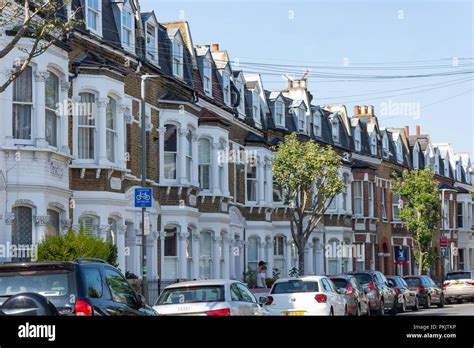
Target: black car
(349,286)
(83,287)
(407,298)
(381,296)
(428,292)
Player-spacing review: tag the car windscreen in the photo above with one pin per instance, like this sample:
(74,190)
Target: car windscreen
(194,294)
(340,283)
(458,275)
(412,282)
(49,283)
(291,287)
(363,278)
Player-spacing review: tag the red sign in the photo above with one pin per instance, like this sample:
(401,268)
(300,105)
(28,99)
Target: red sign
(443,242)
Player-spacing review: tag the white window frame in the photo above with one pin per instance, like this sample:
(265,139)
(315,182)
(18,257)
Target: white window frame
(189,156)
(279,109)
(202,164)
(98,13)
(399,151)
(371,198)
(382,203)
(301,119)
(416,157)
(385,146)
(94,126)
(130,30)
(226,87)
(176,154)
(253,180)
(359,198)
(152,51)
(207,76)
(177,56)
(317,125)
(357,139)
(113,132)
(21,141)
(395,207)
(48,109)
(373,144)
(335,129)
(220,168)
(256,107)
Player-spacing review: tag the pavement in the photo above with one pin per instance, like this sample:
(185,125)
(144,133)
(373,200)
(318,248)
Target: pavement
(466,308)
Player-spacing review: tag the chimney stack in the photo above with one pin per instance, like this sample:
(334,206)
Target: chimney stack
(356,110)
(215,47)
(418,130)
(407,131)
(370,110)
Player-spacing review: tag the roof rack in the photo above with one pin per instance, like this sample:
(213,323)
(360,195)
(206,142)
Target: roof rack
(89,259)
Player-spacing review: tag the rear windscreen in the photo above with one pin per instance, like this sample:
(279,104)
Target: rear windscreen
(458,275)
(46,283)
(195,294)
(340,283)
(363,278)
(412,282)
(295,286)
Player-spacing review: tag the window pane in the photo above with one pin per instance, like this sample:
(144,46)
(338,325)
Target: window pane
(86,143)
(52,91)
(253,251)
(170,241)
(170,166)
(87,110)
(22,122)
(170,138)
(93,282)
(120,289)
(204,151)
(51,128)
(53,224)
(22,87)
(204,176)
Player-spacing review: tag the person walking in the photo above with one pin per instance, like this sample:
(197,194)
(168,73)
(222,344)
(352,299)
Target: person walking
(261,276)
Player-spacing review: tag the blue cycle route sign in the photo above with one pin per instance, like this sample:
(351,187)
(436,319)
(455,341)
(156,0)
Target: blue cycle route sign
(143,198)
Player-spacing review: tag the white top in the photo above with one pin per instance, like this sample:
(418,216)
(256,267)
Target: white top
(261,279)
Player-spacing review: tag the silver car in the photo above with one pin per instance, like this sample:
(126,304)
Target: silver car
(459,286)
(208,298)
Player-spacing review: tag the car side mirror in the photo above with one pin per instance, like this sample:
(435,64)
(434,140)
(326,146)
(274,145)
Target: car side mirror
(263,300)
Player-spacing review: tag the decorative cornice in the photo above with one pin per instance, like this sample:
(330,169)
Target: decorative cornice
(42,220)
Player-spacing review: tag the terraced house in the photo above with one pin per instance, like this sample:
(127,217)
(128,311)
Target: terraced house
(211,129)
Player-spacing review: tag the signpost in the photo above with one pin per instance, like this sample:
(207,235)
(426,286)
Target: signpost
(143,198)
(443,241)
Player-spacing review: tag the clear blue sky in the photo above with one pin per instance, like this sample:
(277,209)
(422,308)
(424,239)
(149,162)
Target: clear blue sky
(290,35)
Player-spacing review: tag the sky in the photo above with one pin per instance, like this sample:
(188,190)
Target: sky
(354,39)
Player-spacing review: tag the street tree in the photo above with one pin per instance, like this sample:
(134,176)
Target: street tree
(420,211)
(32,26)
(307,174)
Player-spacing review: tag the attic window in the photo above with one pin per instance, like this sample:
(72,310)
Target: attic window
(226,86)
(301,119)
(127,29)
(446,168)
(416,156)
(207,77)
(335,130)
(399,151)
(256,107)
(357,140)
(177,57)
(279,114)
(94,16)
(385,146)
(151,47)
(317,125)
(373,144)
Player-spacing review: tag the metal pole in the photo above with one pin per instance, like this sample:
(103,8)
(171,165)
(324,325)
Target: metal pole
(143,173)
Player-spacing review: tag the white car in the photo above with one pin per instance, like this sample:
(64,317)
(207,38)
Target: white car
(458,286)
(310,295)
(208,298)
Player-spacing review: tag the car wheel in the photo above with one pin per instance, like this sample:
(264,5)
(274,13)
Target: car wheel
(441,302)
(382,308)
(428,302)
(403,308)
(416,306)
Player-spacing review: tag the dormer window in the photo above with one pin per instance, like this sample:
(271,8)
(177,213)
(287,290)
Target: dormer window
(385,146)
(279,113)
(300,115)
(151,43)
(226,86)
(256,107)
(207,77)
(357,139)
(373,144)
(94,16)
(436,164)
(446,168)
(128,29)
(240,88)
(398,144)
(177,57)
(458,173)
(335,130)
(416,156)
(317,125)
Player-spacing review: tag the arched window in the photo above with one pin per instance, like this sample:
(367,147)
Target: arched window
(251,171)
(111,129)
(279,254)
(88,224)
(205,259)
(171,151)
(189,155)
(23,105)
(204,163)
(22,231)
(170,241)
(253,254)
(53,227)
(51,103)
(86,127)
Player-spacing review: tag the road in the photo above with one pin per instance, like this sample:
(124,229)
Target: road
(449,309)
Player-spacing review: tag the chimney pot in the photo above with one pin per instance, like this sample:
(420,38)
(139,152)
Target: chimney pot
(363,109)
(370,110)
(418,130)
(356,110)
(215,47)
(407,131)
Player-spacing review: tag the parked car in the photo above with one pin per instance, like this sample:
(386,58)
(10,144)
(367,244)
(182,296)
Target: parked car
(208,298)
(428,292)
(459,286)
(310,295)
(357,302)
(381,296)
(84,287)
(406,298)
